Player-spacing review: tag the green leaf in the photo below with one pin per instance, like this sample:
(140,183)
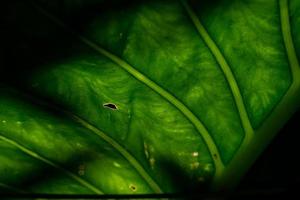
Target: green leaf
(112,97)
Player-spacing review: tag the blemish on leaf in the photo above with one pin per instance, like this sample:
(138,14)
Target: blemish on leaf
(133,187)
(208,168)
(194,165)
(111,106)
(195,154)
(152,162)
(146,150)
(81,170)
(215,156)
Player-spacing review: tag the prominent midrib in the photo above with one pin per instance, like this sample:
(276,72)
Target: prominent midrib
(48,162)
(288,40)
(219,166)
(226,71)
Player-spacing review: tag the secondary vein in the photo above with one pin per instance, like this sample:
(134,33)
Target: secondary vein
(288,40)
(105,137)
(95,130)
(219,166)
(226,71)
(45,160)
(121,150)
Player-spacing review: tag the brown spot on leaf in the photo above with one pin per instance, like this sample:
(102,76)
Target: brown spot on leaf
(132,187)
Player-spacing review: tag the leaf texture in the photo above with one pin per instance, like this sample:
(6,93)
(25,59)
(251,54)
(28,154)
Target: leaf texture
(143,97)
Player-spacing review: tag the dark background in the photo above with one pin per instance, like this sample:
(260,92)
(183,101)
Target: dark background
(276,173)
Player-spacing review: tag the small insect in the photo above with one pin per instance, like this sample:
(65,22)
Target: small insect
(111,106)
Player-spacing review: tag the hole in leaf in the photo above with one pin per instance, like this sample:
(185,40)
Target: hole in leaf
(111,106)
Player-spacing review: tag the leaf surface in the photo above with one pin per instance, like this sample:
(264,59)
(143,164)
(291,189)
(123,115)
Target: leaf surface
(143,97)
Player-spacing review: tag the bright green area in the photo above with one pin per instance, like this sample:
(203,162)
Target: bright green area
(193,83)
(251,41)
(294,6)
(44,150)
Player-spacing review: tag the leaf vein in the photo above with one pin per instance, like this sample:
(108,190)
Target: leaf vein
(226,71)
(45,160)
(155,87)
(288,40)
(121,150)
